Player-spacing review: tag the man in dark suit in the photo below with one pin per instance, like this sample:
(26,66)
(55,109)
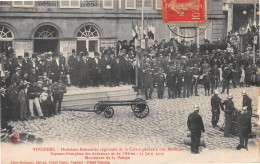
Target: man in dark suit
(96,70)
(106,69)
(71,62)
(116,71)
(229,110)
(83,72)
(243,125)
(247,102)
(196,126)
(56,68)
(26,65)
(216,105)
(17,76)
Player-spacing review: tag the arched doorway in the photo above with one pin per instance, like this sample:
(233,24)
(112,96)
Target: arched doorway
(6,38)
(46,39)
(88,39)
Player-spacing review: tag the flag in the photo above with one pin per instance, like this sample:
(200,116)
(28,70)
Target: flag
(137,30)
(134,33)
(151,32)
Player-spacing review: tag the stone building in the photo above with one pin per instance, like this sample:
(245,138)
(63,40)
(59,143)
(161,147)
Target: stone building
(38,26)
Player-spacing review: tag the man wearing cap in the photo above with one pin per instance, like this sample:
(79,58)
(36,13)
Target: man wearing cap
(195,126)
(229,110)
(243,126)
(216,105)
(58,90)
(160,83)
(34,92)
(148,82)
(247,101)
(170,83)
(196,73)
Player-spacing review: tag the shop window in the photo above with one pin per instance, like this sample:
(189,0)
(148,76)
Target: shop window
(90,3)
(130,4)
(147,4)
(48,4)
(69,3)
(23,3)
(108,4)
(158,4)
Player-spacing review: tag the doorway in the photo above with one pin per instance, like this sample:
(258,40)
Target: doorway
(45,45)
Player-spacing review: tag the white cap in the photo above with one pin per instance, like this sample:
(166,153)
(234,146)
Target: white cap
(244,92)
(196,107)
(230,96)
(216,92)
(244,108)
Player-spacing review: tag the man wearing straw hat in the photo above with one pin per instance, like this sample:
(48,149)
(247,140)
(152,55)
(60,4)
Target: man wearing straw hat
(195,125)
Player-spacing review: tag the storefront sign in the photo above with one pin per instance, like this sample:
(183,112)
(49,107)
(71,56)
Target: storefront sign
(106,43)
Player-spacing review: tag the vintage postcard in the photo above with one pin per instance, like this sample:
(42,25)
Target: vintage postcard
(129,81)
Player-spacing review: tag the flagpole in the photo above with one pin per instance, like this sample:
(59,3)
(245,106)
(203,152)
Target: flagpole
(254,36)
(142,33)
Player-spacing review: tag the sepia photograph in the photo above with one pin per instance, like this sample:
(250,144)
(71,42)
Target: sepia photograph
(129,81)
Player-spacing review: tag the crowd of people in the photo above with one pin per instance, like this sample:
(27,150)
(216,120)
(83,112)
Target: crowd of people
(41,80)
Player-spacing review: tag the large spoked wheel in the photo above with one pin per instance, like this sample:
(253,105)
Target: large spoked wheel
(137,99)
(98,108)
(109,112)
(141,110)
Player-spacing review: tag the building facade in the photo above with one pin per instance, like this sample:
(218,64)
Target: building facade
(39,26)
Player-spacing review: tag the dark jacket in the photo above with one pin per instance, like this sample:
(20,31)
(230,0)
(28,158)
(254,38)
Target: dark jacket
(243,124)
(215,102)
(195,124)
(247,101)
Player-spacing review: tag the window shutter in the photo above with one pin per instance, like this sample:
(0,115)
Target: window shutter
(130,4)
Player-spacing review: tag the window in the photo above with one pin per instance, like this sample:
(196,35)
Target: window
(23,3)
(90,3)
(88,32)
(173,32)
(158,4)
(108,4)
(5,33)
(5,3)
(130,4)
(147,3)
(46,3)
(46,32)
(69,3)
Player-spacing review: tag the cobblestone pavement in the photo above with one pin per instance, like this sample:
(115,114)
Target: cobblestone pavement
(165,126)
